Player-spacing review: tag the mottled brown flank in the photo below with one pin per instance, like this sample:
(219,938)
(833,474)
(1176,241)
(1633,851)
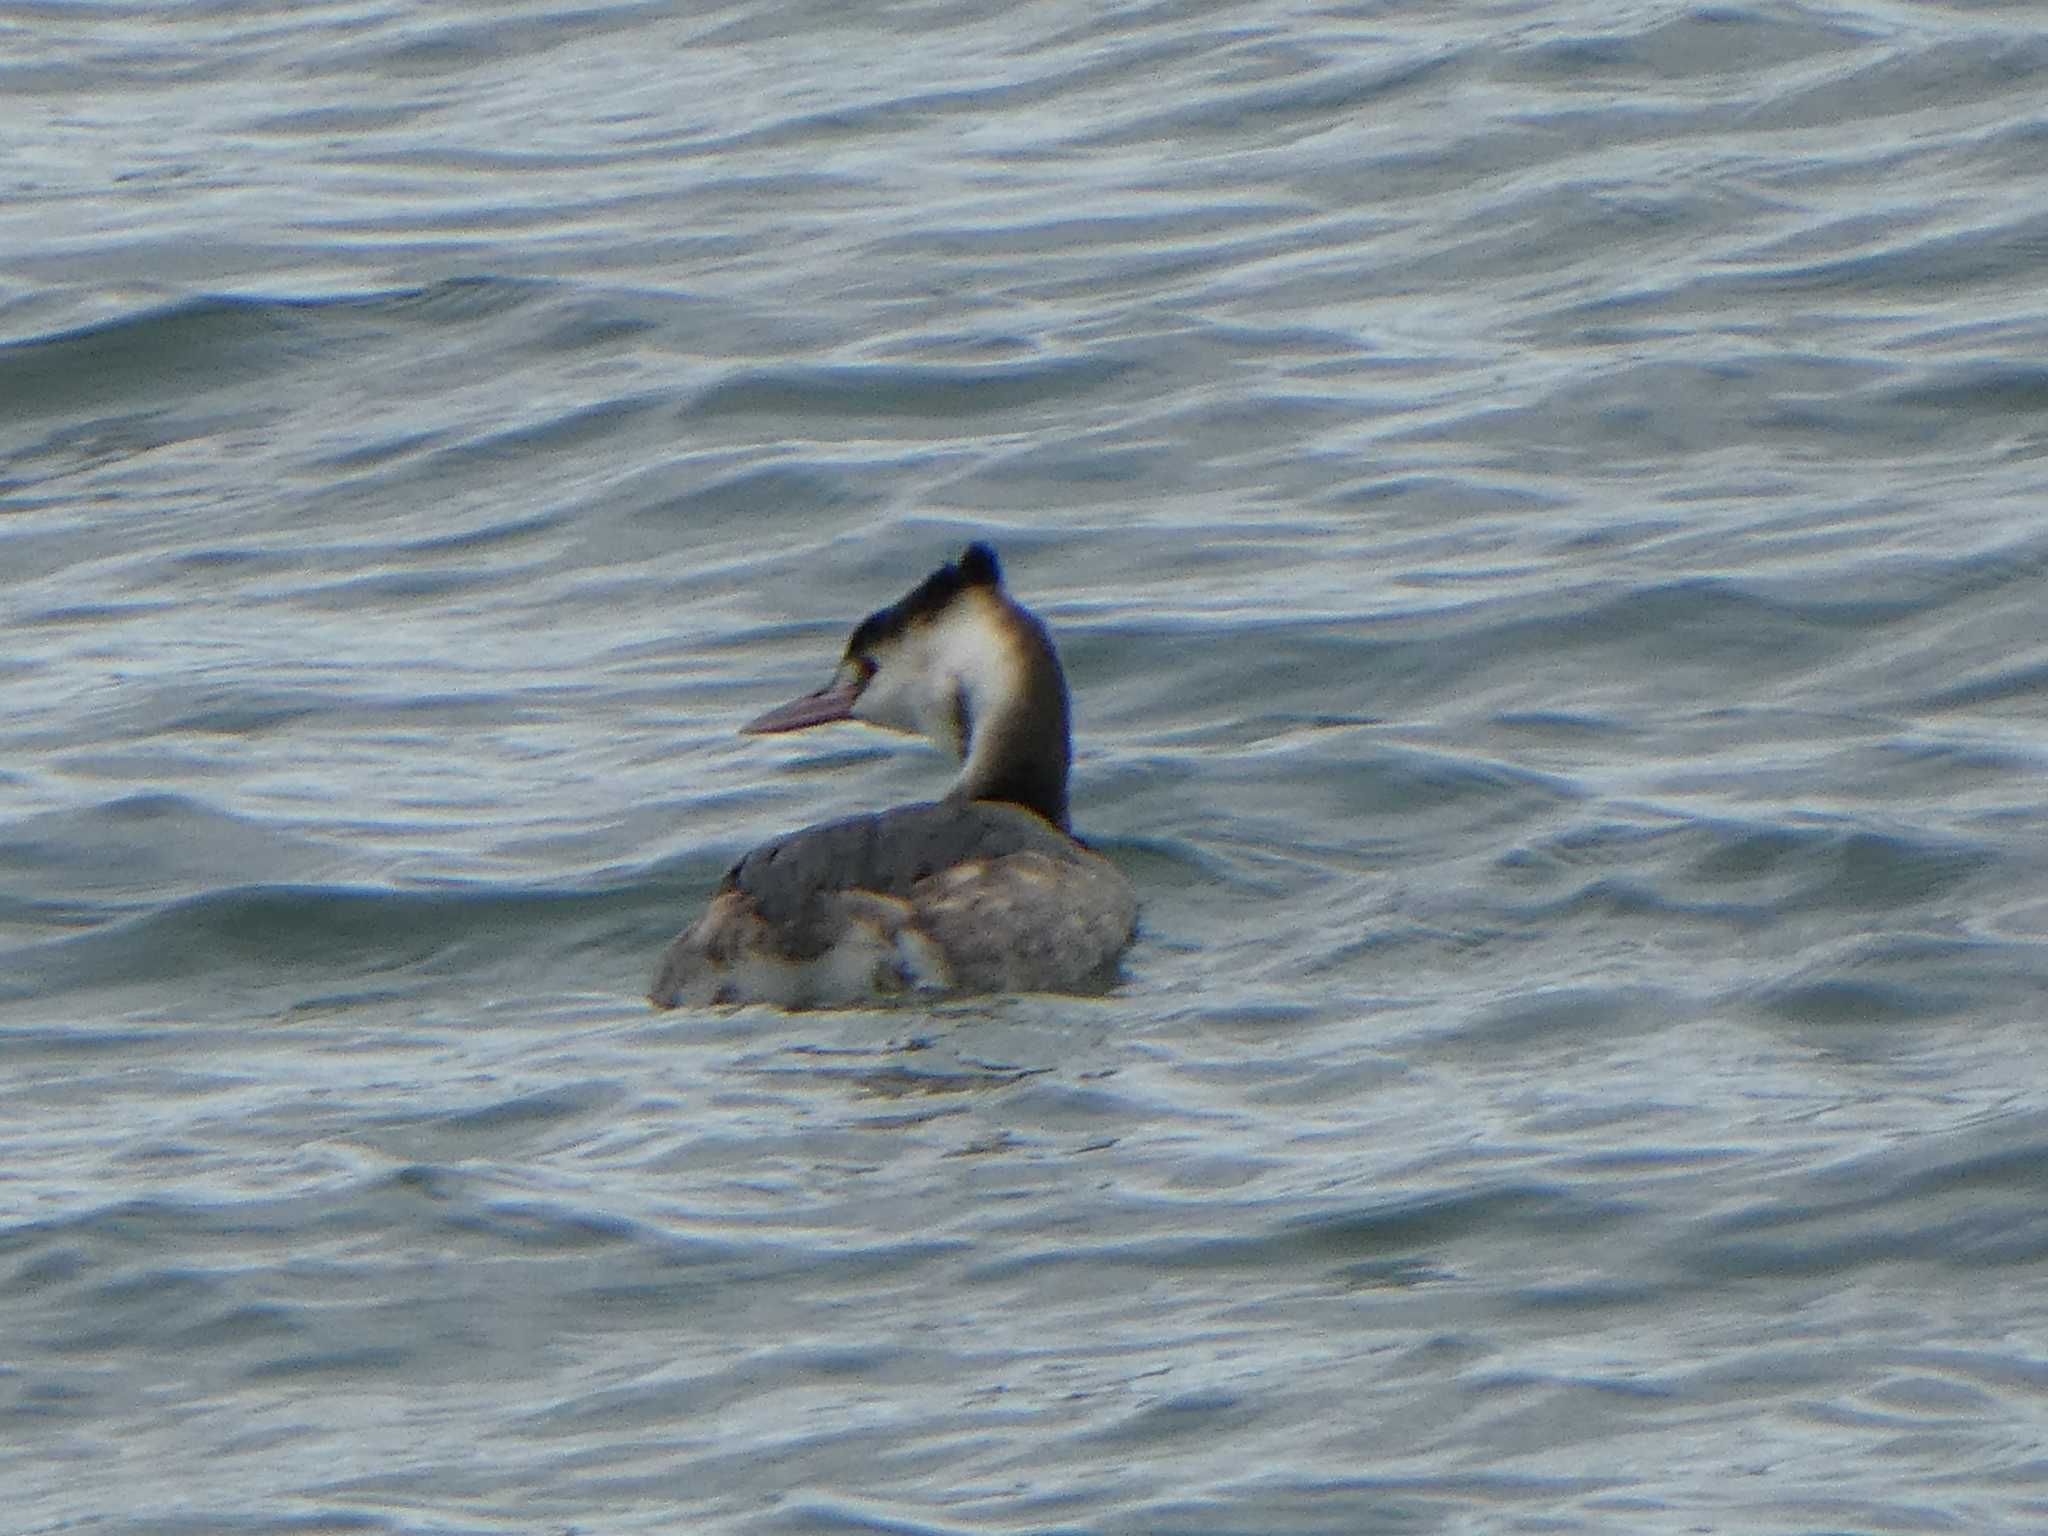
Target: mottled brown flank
(1029,921)
(976,567)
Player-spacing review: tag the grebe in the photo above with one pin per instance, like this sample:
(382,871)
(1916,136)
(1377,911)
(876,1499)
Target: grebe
(983,891)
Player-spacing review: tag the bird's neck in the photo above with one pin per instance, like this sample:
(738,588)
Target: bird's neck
(1017,746)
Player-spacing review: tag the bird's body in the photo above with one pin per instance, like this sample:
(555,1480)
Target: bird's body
(983,891)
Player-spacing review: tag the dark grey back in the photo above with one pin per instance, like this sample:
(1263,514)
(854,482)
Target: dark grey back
(790,879)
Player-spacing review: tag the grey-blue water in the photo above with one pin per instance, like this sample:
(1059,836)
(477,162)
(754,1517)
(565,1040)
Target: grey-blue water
(1545,507)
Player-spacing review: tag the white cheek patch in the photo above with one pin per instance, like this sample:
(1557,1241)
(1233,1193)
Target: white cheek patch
(890,698)
(939,676)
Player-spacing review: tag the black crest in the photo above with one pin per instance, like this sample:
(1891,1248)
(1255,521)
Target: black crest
(976,567)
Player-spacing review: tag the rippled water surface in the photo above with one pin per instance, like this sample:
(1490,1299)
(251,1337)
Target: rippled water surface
(1542,506)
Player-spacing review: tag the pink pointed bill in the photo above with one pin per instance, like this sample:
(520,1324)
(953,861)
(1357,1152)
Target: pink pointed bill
(832,702)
